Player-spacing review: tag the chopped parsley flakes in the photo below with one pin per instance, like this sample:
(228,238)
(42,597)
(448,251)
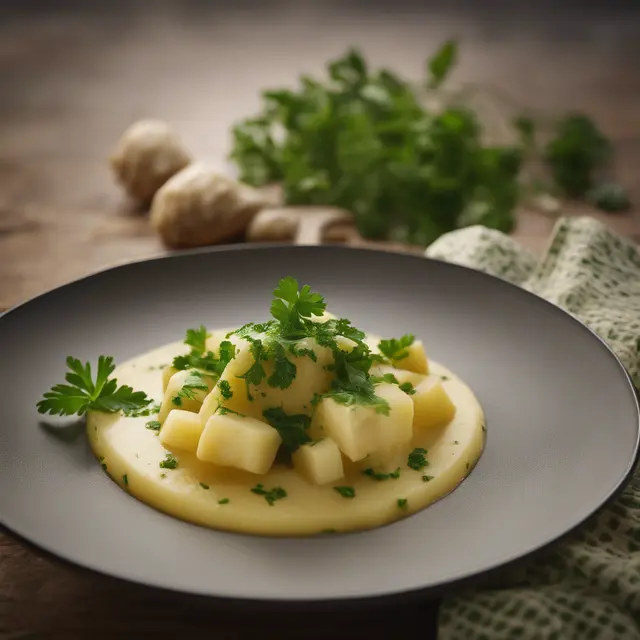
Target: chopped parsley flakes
(169,462)
(270,495)
(376,475)
(224,501)
(225,389)
(153,425)
(204,486)
(402,503)
(417,459)
(346,492)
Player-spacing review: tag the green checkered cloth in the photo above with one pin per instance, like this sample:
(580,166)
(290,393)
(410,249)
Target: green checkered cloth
(587,586)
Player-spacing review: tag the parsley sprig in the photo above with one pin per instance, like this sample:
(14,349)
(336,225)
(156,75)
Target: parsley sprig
(202,359)
(396,348)
(82,393)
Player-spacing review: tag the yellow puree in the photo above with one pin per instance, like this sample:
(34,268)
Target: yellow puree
(130,450)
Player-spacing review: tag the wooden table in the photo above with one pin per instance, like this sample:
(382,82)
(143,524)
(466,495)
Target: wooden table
(72,79)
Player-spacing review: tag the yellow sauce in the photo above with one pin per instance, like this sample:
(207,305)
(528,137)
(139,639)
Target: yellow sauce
(132,455)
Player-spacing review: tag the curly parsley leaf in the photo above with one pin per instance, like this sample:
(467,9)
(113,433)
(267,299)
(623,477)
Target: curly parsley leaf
(200,358)
(293,304)
(352,384)
(291,428)
(284,371)
(396,348)
(197,339)
(83,394)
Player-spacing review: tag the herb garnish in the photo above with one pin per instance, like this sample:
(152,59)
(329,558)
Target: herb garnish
(346,492)
(204,486)
(402,503)
(225,389)
(169,462)
(200,358)
(427,478)
(83,394)
(377,475)
(417,459)
(292,309)
(408,388)
(223,501)
(396,348)
(270,495)
(365,140)
(223,411)
(192,383)
(153,425)
(291,428)
(151,409)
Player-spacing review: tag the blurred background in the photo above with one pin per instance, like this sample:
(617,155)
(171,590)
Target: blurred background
(75,75)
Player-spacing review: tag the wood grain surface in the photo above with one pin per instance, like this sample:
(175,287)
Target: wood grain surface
(74,77)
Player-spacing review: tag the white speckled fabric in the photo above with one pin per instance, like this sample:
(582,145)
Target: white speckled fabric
(587,586)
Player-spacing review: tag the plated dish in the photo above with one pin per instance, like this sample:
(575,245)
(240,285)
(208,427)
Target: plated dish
(555,451)
(339,429)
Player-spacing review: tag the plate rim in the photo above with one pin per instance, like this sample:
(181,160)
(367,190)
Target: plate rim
(432,590)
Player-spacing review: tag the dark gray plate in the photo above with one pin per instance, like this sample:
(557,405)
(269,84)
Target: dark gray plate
(562,423)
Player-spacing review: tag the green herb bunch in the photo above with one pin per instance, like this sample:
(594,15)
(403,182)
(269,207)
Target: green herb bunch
(363,140)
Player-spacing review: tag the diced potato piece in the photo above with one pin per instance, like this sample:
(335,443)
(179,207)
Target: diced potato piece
(359,430)
(345,344)
(432,405)
(182,430)
(401,375)
(242,442)
(324,317)
(416,360)
(209,406)
(167,373)
(218,336)
(176,383)
(311,377)
(319,462)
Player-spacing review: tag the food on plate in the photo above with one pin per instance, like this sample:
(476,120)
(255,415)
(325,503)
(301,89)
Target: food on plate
(200,206)
(146,156)
(297,425)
